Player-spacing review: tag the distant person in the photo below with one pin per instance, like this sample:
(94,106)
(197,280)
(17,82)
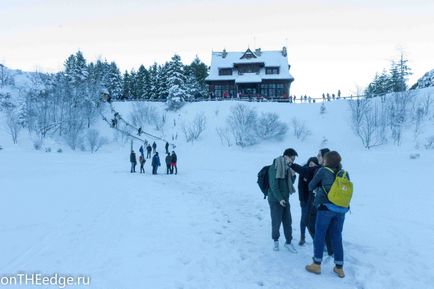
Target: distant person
(154,147)
(142,163)
(167,147)
(141,151)
(155,163)
(168,163)
(173,166)
(330,216)
(133,161)
(148,151)
(139,131)
(280,187)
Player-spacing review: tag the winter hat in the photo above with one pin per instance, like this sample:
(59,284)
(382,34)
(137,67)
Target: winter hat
(290,152)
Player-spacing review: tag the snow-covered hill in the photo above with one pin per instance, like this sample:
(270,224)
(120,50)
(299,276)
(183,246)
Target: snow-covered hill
(78,213)
(427,80)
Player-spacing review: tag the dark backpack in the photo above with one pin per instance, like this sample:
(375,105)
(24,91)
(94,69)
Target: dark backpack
(263,180)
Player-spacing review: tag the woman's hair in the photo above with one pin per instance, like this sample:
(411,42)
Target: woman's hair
(313,159)
(333,160)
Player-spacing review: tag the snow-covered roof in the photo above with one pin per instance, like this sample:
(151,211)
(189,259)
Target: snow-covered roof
(264,58)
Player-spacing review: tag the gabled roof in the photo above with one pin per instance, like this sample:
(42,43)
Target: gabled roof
(265,58)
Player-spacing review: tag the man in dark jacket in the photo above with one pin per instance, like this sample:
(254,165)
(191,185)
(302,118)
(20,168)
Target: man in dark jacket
(154,147)
(173,166)
(168,163)
(281,186)
(167,147)
(155,163)
(148,151)
(133,161)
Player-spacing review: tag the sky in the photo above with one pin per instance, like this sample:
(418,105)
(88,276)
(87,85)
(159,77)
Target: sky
(331,45)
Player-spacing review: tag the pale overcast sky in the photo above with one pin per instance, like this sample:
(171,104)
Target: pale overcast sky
(331,44)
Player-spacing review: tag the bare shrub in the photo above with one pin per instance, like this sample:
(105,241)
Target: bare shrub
(269,126)
(193,130)
(241,124)
(94,140)
(300,130)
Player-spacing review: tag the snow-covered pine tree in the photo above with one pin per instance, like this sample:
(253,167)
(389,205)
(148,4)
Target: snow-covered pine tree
(126,86)
(176,83)
(142,83)
(114,81)
(162,82)
(153,82)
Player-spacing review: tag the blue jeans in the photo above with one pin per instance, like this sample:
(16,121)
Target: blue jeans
(325,220)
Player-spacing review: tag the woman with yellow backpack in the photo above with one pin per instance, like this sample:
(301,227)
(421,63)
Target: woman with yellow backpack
(333,191)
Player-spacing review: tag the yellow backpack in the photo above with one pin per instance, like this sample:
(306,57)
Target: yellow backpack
(341,190)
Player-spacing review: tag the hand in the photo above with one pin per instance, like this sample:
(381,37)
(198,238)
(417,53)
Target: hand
(282,203)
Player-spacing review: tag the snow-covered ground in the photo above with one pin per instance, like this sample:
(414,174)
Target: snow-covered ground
(76,213)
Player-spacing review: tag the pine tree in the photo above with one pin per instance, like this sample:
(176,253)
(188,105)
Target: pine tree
(176,83)
(126,86)
(153,82)
(114,81)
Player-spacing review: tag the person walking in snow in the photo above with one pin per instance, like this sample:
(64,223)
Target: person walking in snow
(142,163)
(305,196)
(329,216)
(167,147)
(148,151)
(155,163)
(168,163)
(154,147)
(280,180)
(133,161)
(141,151)
(173,166)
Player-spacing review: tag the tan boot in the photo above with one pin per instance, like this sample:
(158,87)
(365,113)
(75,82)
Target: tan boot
(314,268)
(339,272)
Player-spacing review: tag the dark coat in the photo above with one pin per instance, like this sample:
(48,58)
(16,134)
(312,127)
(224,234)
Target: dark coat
(156,161)
(322,182)
(154,145)
(306,174)
(149,148)
(174,158)
(133,158)
(168,159)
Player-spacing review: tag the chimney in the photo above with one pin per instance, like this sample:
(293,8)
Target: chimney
(224,53)
(284,53)
(258,51)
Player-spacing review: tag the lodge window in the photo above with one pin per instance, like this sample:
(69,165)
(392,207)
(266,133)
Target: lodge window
(224,90)
(272,70)
(225,71)
(272,89)
(248,69)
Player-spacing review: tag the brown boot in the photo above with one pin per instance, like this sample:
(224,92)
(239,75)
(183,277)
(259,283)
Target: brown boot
(314,268)
(339,272)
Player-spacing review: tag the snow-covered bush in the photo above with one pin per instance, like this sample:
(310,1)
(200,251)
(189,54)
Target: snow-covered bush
(143,114)
(241,124)
(224,136)
(269,126)
(369,120)
(94,140)
(175,100)
(429,145)
(300,130)
(37,144)
(193,130)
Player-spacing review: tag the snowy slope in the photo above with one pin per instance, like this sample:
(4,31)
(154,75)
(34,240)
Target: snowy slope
(208,227)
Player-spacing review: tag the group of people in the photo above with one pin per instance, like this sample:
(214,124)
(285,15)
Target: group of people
(323,219)
(171,159)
